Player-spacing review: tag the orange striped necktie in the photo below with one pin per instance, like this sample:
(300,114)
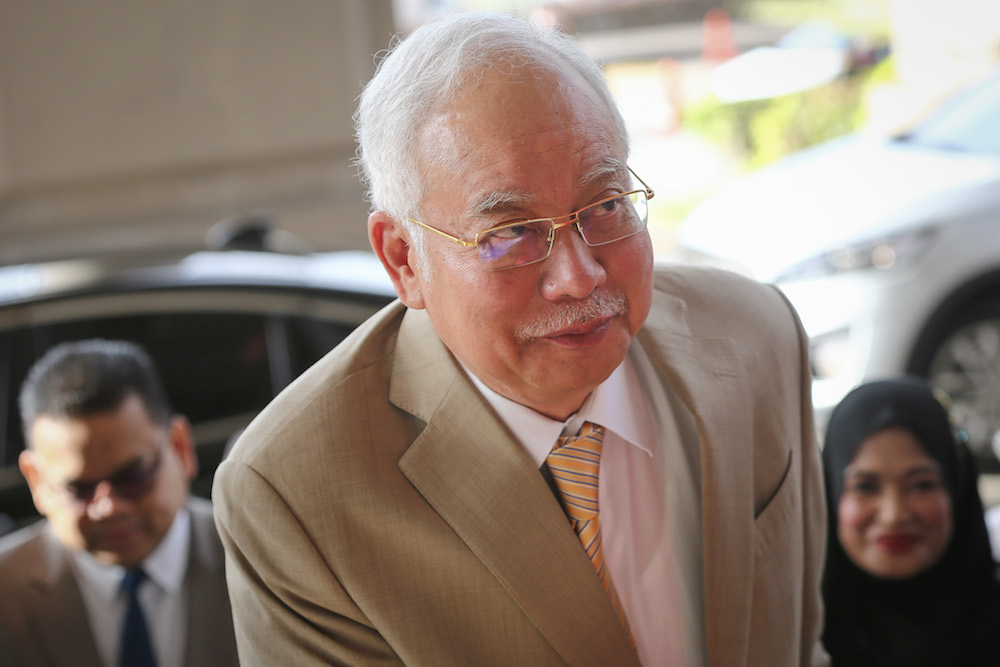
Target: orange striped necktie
(575,463)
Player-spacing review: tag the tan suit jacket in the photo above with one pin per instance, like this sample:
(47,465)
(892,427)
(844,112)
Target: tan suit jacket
(43,620)
(378,512)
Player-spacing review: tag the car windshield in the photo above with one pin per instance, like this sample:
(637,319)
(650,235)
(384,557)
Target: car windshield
(968,122)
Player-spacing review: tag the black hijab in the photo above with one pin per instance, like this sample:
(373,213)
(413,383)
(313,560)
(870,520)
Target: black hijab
(946,615)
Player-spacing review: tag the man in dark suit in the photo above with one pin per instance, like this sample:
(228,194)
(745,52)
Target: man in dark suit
(109,466)
(546,452)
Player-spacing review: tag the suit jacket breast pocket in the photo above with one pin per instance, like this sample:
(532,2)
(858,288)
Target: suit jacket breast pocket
(774,518)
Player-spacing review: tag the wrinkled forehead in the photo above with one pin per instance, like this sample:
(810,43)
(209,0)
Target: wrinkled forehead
(607,173)
(508,119)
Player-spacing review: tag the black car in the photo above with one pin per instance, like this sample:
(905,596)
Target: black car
(227,329)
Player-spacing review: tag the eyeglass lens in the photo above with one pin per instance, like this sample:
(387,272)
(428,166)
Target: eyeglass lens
(600,223)
(131,483)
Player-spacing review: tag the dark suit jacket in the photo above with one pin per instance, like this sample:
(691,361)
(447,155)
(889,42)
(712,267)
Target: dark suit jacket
(43,620)
(378,512)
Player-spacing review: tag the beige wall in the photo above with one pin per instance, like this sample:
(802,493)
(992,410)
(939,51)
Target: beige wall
(124,120)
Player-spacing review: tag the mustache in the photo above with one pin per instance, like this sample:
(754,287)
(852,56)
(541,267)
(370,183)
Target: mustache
(603,305)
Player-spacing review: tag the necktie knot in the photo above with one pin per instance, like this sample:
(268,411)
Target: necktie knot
(131,581)
(575,466)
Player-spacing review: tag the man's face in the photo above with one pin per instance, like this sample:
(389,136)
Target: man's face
(110,483)
(534,144)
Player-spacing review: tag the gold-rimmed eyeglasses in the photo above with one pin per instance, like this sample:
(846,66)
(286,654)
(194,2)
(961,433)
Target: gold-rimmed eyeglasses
(524,242)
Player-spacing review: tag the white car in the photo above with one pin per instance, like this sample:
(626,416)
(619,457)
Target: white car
(889,248)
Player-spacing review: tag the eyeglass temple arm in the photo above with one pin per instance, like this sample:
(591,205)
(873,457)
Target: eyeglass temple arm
(649,191)
(467,244)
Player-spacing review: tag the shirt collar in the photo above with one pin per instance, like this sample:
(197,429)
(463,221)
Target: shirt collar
(618,404)
(168,562)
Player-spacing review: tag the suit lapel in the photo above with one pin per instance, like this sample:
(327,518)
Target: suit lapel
(209,613)
(53,603)
(480,481)
(710,379)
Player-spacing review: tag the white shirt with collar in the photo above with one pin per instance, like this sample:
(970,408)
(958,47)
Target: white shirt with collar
(162,596)
(649,504)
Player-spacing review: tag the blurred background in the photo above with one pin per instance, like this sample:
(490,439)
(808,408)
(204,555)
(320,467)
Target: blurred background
(799,141)
(148,121)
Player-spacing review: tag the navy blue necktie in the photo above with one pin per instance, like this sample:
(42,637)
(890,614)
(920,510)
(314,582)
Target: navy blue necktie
(136,648)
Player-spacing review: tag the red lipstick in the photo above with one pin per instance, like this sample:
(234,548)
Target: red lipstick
(896,544)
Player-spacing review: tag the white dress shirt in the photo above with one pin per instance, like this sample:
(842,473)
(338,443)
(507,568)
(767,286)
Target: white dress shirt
(162,596)
(649,504)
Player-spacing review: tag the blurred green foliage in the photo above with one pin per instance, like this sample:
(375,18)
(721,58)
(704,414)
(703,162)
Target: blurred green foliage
(868,18)
(761,131)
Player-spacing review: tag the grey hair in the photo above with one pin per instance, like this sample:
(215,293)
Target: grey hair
(424,71)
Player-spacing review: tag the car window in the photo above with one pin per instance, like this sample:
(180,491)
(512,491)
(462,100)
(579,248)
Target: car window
(967,122)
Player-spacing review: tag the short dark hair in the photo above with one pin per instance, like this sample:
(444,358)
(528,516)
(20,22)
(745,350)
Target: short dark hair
(83,378)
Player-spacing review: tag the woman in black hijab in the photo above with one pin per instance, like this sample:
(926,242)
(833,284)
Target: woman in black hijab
(915,584)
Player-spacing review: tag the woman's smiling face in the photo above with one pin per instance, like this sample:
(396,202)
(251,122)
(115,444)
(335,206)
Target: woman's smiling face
(894,519)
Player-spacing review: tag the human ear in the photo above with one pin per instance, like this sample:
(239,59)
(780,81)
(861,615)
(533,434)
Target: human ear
(391,243)
(182,443)
(29,468)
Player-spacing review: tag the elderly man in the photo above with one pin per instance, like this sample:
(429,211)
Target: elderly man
(126,569)
(545,452)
